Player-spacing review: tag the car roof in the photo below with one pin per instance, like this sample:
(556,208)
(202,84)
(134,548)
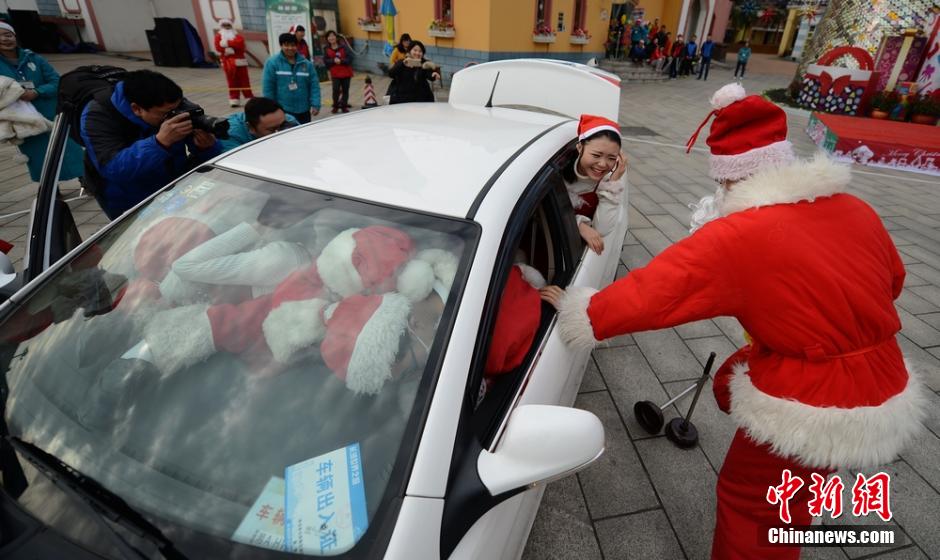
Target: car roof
(431,157)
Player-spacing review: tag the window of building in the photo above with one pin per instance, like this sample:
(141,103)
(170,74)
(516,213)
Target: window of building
(444,10)
(580,10)
(372,9)
(543,13)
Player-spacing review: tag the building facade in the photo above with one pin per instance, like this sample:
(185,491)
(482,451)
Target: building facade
(455,32)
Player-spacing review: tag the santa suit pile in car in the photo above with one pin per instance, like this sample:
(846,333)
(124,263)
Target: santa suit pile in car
(811,274)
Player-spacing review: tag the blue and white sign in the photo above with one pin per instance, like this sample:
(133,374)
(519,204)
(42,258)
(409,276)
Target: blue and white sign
(325,503)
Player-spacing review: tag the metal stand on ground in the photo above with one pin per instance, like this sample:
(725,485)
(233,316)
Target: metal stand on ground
(680,431)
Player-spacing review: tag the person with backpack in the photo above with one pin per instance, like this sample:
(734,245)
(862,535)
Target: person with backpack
(40,82)
(291,80)
(132,147)
(337,59)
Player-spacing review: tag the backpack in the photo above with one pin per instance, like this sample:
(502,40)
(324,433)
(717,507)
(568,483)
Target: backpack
(82,85)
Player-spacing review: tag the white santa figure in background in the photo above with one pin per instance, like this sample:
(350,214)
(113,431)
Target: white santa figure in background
(812,275)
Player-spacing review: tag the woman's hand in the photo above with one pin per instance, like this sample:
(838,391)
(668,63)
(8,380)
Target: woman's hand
(435,76)
(591,237)
(29,95)
(621,167)
(552,295)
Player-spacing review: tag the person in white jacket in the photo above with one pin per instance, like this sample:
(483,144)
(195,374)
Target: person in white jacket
(596,179)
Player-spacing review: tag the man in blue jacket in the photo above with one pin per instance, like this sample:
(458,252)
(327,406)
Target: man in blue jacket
(262,117)
(688,57)
(706,58)
(131,149)
(291,80)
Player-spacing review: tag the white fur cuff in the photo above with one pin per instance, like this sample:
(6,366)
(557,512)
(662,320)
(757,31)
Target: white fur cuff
(179,338)
(292,327)
(574,325)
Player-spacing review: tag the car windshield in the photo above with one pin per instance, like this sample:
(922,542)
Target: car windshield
(246,363)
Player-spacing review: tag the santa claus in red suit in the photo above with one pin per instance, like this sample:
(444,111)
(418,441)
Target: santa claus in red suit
(231,48)
(812,275)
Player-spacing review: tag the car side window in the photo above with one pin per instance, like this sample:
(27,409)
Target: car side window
(545,250)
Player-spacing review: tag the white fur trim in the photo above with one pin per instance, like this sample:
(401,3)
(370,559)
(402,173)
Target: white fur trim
(741,166)
(179,337)
(444,264)
(532,276)
(293,326)
(574,325)
(416,280)
(803,180)
(830,437)
(727,95)
(336,267)
(376,349)
(592,131)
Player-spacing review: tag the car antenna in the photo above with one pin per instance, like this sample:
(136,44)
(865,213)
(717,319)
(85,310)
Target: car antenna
(489,102)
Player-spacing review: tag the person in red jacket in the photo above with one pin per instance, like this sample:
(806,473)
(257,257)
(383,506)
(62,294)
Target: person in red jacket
(337,60)
(811,274)
(231,48)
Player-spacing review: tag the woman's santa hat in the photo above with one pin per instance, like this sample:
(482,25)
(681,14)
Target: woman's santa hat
(748,134)
(589,125)
(363,339)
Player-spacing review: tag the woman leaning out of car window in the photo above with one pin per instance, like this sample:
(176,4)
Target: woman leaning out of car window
(595,179)
(412,76)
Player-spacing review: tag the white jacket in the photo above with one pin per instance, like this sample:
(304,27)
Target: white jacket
(609,199)
(18,119)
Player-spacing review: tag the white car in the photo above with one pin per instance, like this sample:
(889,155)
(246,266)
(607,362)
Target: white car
(236,451)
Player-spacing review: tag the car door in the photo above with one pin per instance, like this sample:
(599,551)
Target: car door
(475,524)
(52,230)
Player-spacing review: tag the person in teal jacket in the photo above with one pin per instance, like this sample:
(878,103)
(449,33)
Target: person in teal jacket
(41,83)
(262,117)
(291,80)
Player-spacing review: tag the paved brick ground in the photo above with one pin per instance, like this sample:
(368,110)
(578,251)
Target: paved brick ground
(644,498)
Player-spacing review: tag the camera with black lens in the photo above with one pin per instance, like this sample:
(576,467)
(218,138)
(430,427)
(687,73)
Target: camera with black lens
(201,121)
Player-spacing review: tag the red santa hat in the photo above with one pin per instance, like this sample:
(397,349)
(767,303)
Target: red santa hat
(589,125)
(748,134)
(374,259)
(363,338)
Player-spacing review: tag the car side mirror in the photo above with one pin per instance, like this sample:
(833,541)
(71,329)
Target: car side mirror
(541,443)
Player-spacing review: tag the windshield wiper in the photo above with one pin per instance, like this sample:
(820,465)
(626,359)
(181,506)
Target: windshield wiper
(106,503)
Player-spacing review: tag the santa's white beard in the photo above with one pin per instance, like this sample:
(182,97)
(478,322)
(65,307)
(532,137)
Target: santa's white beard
(227,34)
(707,209)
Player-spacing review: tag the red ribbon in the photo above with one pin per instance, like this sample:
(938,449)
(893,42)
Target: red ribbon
(691,142)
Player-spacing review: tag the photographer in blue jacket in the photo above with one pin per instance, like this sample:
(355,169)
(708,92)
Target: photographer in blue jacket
(135,143)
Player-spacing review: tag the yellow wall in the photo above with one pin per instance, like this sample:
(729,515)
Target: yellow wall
(671,10)
(488,25)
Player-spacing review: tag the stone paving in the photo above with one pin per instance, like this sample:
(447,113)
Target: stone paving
(645,498)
